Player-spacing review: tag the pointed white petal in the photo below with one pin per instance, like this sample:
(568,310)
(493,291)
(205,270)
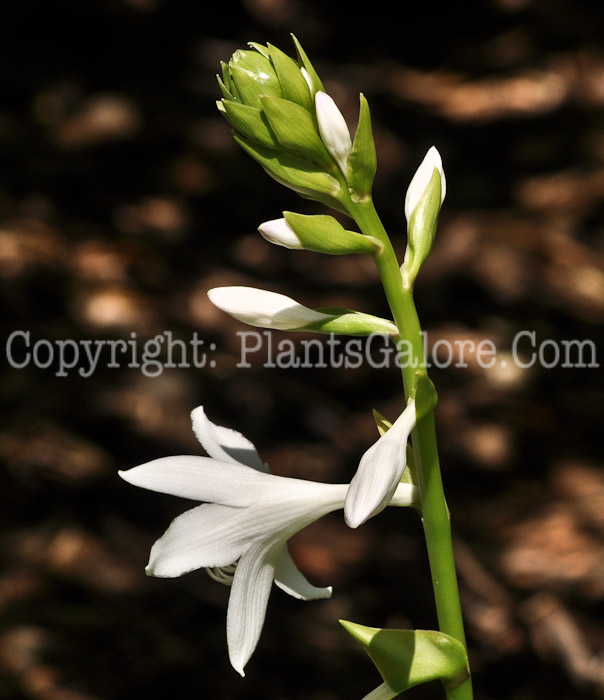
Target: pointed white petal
(421,179)
(291,580)
(259,307)
(380,471)
(248,601)
(198,478)
(205,536)
(223,443)
(333,129)
(280,233)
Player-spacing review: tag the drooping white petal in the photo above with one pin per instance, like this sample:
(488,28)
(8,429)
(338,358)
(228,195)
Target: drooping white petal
(248,600)
(279,232)
(206,536)
(291,580)
(198,478)
(259,307)
(422,177)
(333,129)
(379,471)
(223,443)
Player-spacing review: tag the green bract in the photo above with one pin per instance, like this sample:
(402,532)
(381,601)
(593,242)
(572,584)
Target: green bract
(346,322)
(362,160)
(406,658)
(324,234)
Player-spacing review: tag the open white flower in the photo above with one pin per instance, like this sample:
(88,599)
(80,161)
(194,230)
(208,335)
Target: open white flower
(240,531)
(380,471)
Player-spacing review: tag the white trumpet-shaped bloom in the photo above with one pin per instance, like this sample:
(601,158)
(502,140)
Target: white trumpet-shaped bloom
(380,471)
(333,129)
(259,307)
(279,232)
(432,161)
(240,531)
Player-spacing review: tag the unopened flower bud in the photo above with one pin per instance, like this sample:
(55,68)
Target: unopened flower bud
(432,161)
(333,129)
(319,233)
(279,232)
(424,199)
(264,309)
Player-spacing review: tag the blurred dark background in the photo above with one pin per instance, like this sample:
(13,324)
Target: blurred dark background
(123,199)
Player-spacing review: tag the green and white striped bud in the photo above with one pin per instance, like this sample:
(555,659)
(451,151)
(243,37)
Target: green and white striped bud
(319,233)
(423,201)
(264,309)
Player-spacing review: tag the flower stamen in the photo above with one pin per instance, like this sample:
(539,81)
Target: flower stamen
(222,574)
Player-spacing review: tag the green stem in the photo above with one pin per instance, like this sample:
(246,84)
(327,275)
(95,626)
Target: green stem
(435,515)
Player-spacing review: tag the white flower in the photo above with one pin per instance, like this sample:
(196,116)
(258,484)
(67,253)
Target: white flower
(240,531)
(380,471)
(422,177)
(333,129)
(259,307)
(279,232)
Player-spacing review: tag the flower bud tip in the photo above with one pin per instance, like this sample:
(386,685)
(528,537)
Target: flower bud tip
(432,161)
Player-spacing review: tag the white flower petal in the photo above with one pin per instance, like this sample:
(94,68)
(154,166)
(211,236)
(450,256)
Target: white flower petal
(248,600)
(291,580)
(379,471)
(223,443)
(198,478)
(422,177)
(259,307)
(382,692)
(279,232)
(308,79)
(405,495)
(333,129)
(206,536)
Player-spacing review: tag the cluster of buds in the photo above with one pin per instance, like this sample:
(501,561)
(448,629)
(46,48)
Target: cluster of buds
(285,120)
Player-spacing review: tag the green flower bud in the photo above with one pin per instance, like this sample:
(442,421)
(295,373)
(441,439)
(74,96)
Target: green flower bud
(252,75)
